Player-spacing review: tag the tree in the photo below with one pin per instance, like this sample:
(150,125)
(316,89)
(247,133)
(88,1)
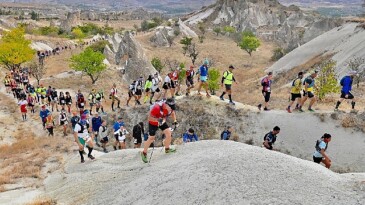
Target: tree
(358,65)
(171,64)
(326,82)
(170,40)
(89,62)
(213,82)
(182,75)
(144,25)
(201,39)
(217,30)
(186,42)
(136,28)
(201,27)
(193,53)
(15,49)
(100,46)
(34,16)
(157,64)
(249,44)
(77,33)
(277,54)
(229,30)
(37,70)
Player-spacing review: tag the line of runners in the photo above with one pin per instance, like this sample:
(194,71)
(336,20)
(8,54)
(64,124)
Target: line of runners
(86,129)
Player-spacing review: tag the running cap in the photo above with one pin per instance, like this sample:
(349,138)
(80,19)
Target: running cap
(231,67)
(352,73)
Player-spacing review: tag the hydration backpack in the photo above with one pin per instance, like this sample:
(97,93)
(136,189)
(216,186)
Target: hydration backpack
(225,132)
(317,146)
(263,83)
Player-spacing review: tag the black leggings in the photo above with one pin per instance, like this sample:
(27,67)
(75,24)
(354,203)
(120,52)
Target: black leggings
(50,131)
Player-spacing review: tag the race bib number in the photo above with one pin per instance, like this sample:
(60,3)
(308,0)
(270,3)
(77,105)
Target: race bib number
(135,141)
(62,101)
(121,138)
(82,104)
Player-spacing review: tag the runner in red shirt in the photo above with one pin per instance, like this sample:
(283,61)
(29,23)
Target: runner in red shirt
(23,108)
(159,113)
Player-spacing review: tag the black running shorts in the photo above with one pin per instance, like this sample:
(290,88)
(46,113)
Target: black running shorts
(266,95)
(294,96)
(189,82)
(309,94)
(317,159)
(152,129)
(350,96)
(138,92)
(228,87)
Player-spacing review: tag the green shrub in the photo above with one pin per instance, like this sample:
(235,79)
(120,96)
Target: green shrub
(100,46)
(157,64)
(326,81)
(213,81)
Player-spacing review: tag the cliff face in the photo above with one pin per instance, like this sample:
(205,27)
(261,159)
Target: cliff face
(128,54)
(288,26)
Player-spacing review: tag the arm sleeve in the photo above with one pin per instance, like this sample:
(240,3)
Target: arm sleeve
(196,137)
(234,80)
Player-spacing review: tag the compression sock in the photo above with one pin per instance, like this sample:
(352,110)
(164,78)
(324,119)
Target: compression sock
(25,116)
(69,109)
(81,154)
(90,150)
(97,109)
(223,94)
(118,104)
(338,104)
(353,104)
(230,98)
(112,105)
(145,99)
(102,109)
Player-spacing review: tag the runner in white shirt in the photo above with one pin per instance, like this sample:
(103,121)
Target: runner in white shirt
(82,137)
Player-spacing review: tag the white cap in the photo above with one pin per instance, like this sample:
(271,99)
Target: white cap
(351,73)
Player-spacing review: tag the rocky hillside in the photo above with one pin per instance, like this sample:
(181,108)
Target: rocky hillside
(342,43)
(208,172)
(289,26)
(299,130)
(127,55)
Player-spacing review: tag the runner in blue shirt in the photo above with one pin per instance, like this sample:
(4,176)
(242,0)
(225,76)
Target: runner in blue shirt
(203,77)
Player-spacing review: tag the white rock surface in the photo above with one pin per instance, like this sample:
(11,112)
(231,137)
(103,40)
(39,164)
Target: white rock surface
(206,172)
(39,46)
(186,30)
(200,16)
(345,42)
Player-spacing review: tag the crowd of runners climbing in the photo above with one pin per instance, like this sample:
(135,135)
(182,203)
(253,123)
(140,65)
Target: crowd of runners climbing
(81,114)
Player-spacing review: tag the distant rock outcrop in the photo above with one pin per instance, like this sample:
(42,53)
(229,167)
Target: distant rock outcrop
(161,36)
(288,26)
(128,54)
(342,43)
(72,20)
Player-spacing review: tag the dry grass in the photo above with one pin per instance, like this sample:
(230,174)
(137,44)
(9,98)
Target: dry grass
(349,121)
(43,201)
(224,51)
(117,25)
(26,157)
